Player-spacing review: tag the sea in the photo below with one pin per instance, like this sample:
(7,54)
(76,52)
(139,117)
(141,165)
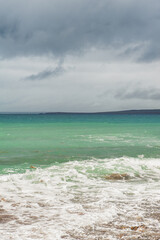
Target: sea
(63,176)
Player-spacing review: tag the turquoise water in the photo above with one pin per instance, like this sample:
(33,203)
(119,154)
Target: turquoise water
(68,194)
(54,138)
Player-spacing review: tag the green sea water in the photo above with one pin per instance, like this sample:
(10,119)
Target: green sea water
(46,139)
(68,194)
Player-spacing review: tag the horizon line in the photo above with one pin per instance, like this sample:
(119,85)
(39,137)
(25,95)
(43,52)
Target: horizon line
(155,111)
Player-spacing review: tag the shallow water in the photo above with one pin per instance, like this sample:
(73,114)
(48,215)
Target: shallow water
(67,196)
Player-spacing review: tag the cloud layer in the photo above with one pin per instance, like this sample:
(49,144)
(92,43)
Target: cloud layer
(145,94)
(81,56)
(63,27)
(47,73)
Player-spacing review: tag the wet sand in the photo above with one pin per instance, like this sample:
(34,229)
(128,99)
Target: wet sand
(131,228)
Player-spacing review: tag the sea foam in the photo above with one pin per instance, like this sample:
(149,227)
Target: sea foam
(73,200)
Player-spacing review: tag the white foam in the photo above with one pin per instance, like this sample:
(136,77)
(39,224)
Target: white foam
(53,202)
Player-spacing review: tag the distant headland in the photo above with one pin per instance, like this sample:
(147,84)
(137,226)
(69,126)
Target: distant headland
(142,111)
(127,112)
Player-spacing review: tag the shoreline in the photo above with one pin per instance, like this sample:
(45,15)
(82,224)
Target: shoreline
(135,228)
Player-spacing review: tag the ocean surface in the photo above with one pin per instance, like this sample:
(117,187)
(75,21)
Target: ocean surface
(57,182)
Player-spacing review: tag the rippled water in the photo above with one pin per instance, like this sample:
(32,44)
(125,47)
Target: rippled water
(67,195)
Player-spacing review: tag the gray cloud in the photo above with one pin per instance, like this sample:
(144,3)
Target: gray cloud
(47,73)
(150,94)
(108,48)
(63,27)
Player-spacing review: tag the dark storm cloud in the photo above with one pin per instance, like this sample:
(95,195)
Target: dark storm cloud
(150,94)
(47,73)
(62,27)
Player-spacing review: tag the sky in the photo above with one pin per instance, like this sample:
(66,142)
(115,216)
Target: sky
(79,55)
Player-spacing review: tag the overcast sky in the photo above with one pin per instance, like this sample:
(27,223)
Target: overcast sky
(79,55)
